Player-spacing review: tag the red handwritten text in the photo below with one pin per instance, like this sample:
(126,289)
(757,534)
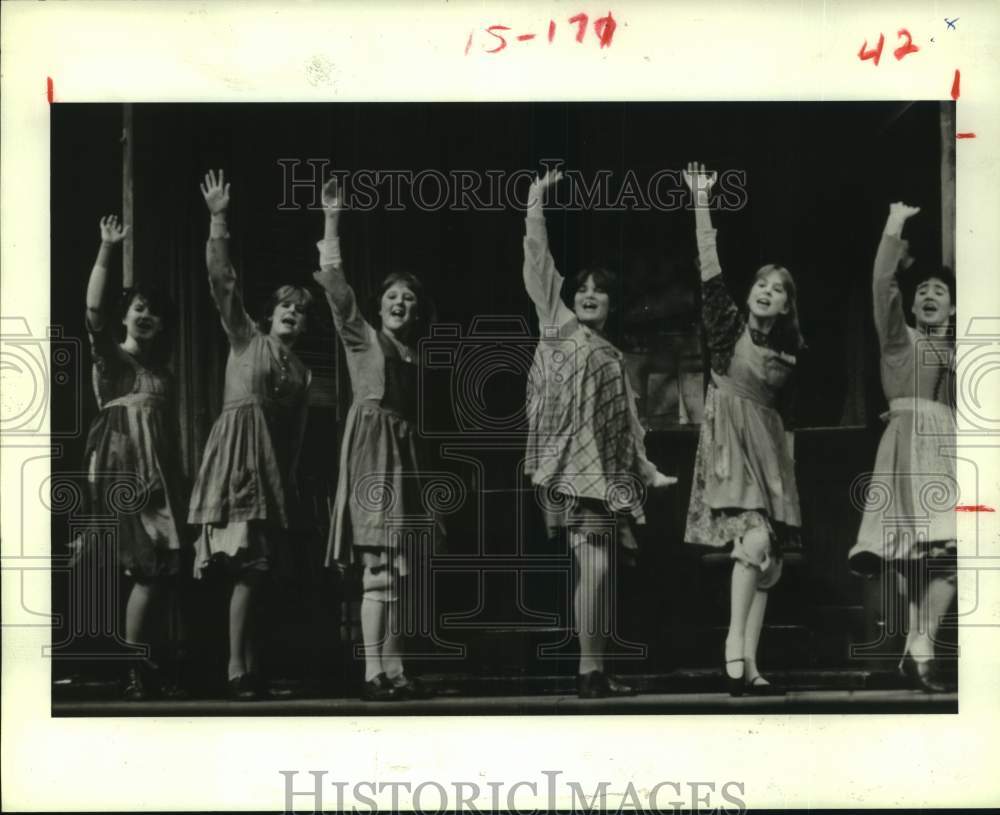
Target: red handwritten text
(604,30)
(875,54)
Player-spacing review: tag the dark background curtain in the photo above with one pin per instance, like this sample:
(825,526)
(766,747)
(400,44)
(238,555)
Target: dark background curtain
(819,178)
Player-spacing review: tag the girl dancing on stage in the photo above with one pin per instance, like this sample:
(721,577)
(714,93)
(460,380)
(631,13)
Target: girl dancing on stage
(917,368)
(133,437)
(247,478)
(744,492)
(585,443)
(381,455)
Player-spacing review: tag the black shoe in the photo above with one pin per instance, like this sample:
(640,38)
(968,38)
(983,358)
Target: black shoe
(380,689)
(922,675)
(242,689)
(598,685)
(172,689)
(762,687)
(410,687)
(142,681)
(265,691)
(135,686)
(735,685)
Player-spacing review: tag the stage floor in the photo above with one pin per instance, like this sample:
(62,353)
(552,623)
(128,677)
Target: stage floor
(808,701)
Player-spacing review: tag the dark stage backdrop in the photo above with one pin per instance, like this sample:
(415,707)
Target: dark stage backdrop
(819,178)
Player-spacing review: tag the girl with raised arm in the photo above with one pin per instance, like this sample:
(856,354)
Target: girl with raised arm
(133,439)
(744,494)
(243,491)
(909,518)
(381,459)
(585,442)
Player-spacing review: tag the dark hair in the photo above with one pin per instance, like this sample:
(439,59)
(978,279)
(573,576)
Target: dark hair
(604,279)
(918,275)
(785,334)
(287,293)
(426,309)
(161,304)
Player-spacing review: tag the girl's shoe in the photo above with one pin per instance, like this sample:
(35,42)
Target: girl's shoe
(922,675)
(735,684)
(142,681)
(380,689)
(758,686)
(242,688)
(410,687)
(135,686)
(598,685)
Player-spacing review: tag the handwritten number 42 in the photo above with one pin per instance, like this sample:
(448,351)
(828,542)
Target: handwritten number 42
(875,54)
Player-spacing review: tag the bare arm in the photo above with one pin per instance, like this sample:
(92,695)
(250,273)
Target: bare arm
(542,280)
(112,233)
(221,275)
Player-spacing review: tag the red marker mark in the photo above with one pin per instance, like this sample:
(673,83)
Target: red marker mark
(907,47)
(523,37)
(965,135)
(605,27)
(974,508)
(874,54)
(955,89)
(49,89)
(552,29)
(468,44)
(581,21)
(503,43)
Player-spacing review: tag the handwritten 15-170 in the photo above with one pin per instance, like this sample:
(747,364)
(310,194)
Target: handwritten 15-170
(497,38)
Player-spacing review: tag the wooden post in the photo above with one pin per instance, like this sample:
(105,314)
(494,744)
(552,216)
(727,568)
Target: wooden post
(128,210)
(948,183)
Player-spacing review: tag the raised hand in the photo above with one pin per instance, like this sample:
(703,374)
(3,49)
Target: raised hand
(902,211)
(216,192)
(536,192)
(899,213)
(332,203)
(111,231)
(699,180)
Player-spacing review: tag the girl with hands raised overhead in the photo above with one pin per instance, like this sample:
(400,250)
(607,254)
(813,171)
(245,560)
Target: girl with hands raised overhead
(744,493)
(585,442)
(133,438)
(245,487)
(913,533)
(382,456)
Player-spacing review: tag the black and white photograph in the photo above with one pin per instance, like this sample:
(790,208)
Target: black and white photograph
(580,384)
(546,420)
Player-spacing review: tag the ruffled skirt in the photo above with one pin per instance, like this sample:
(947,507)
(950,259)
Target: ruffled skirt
(909,503)
(133,475)
(386,501)
(744,477)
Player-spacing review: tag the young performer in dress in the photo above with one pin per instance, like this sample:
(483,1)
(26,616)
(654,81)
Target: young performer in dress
(132,439)
(585,443)
(379,487)
(744,492)
(247,478)
(906,524)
